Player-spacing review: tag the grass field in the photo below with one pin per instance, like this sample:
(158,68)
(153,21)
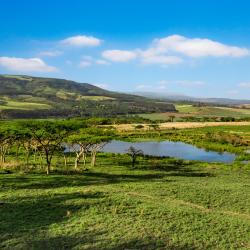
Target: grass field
(189,110)
(213,111)
(95,98)
(160,205)
(163,203)
(20,105)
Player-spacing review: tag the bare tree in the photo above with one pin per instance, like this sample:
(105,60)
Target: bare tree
(134,153)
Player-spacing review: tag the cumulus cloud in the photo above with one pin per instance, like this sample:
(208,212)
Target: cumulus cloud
(89,61)
(119,55)
(175,49)
(244,85)
(196,47)
(161,59)
(82,41)
(25,64)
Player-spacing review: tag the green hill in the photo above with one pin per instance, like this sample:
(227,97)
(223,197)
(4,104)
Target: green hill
(36,97)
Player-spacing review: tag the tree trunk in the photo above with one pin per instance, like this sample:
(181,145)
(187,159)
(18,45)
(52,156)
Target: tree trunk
(84,159)
(93,160)
(77,159)
(48,162)
(65,161)
(27,158)
(133,161)
(76,163)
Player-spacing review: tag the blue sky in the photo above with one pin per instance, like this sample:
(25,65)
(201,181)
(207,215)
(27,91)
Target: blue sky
(196,48)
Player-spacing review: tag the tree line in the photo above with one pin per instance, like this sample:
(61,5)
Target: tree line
(45,138)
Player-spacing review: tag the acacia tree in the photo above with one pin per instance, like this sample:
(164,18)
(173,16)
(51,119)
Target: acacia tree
(79,144)
(88,140)
(48,136)
(7,138)
(133,153)
(4,145)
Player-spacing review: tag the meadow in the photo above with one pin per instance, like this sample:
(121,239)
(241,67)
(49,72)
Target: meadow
(160,203)
(188,110)
(20,105)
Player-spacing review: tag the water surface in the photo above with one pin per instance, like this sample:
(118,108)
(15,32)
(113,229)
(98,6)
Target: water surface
(171,149)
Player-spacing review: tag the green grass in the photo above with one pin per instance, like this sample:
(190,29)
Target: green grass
(189,110)
(213,111)
(186,108)
(156,116)
(20,105)
(163,204)
(18,77)
(95,98)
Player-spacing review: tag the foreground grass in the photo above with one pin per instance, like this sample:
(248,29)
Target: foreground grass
(161,205)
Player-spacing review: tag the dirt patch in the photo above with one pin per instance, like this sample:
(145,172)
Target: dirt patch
(180,125)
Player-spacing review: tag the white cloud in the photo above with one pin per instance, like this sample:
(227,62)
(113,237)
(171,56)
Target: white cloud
(161,59)
(51,53)
(84,64)
(244,85)
(89,61)
(119,55)
(82,41)
(196,47)
(25,64)
(174,49)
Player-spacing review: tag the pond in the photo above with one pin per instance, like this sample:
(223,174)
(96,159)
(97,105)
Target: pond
(170,149)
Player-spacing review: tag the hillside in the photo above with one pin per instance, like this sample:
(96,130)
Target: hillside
(189,99)
(27,96)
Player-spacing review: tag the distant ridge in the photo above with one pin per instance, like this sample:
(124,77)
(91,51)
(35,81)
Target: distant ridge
(24,96)
(173,97)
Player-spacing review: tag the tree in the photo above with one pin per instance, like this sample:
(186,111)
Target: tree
(133,153)
(8,135)
(48,136)
(80,145)
(88,140)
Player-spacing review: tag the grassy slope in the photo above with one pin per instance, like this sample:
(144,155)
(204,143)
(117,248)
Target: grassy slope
(201,111)
(62,95)
(185,206)
(20,105)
